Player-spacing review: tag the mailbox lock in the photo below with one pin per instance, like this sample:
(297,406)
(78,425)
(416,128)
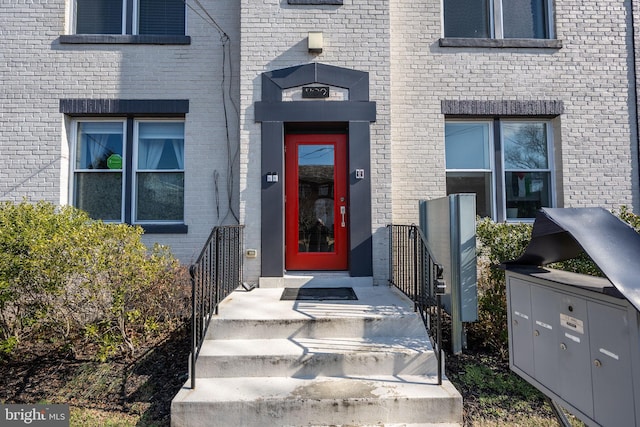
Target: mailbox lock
(571,308)
(515,322)
(536,332)
(563,346)
(597,363)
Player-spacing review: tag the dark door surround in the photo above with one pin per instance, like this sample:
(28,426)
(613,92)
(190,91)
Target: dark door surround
(358,112)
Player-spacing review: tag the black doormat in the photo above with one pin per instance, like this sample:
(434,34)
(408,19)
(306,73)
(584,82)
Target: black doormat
(318,294)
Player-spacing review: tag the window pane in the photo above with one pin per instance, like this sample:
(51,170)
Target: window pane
(467,145)
(316,209)
(466,18)
(160,196)
(478,183)
(99,194)
(527,192)
(161,146)
(525,145)
(98,17)
(525,19)
(161,17)
(99,145)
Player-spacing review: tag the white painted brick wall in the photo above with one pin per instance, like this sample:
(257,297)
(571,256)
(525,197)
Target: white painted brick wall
(356,35)
(589,74)
(395,41)
(36,71)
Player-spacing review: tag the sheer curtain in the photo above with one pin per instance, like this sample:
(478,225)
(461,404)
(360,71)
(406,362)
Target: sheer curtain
(178,149)
(151,144)
(149,153)
(94,143)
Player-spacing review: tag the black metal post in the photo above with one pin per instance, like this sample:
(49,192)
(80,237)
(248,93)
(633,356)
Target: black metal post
(194,339)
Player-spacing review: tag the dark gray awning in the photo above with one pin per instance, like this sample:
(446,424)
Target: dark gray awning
(563,233)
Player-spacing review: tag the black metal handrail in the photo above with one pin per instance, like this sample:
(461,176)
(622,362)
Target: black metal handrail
(216,273)
(414,271)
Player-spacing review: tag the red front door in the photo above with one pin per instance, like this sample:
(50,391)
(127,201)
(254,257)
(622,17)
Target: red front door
(316,202)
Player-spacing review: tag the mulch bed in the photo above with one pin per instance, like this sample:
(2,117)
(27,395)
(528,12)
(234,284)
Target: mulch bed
(142,385)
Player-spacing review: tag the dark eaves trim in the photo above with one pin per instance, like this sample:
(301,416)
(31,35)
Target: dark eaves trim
(106,107)
(516,108)
(316,2)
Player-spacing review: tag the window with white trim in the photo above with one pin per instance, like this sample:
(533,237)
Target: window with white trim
(139,182)
(144,17)
(499,19)
(508,164)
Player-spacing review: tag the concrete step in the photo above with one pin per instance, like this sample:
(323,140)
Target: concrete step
(223,329)
(323,401)
(311,357)
(260,314)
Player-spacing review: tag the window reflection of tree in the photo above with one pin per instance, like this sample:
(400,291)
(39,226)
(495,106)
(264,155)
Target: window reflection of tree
(526,147)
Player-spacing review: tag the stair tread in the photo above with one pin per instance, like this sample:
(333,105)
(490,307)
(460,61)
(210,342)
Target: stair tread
(303,346)
(362,388)
(264,303)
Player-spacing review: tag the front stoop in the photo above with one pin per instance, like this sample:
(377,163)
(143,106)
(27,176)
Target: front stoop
(268,362)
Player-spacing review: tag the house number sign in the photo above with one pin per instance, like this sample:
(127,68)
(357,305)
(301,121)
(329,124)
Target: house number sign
(315,91)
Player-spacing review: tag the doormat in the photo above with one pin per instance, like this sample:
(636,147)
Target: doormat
(318,294)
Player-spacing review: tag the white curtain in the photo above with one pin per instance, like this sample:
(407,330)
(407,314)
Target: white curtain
(94,140)
(151,143)
(96,148)
(149,153)
(178,149)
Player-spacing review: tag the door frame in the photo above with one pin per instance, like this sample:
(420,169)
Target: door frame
(356,114)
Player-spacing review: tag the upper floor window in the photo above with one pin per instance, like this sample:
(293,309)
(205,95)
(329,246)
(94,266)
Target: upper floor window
(144,17)
(506,163)
(500,19)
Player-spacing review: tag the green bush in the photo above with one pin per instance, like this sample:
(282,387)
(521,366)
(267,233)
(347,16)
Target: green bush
(500,242)
(496,242)
(68,282)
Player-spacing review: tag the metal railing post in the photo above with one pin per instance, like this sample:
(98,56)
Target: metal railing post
(414,233)
(419,276)
(439,290)
(194,339)
(214,275)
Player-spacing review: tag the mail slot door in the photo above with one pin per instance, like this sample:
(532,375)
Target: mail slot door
(611,365)
(574,376)
(520,329)
(544,312)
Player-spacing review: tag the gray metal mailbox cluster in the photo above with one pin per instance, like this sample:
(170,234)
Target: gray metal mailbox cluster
(576,337)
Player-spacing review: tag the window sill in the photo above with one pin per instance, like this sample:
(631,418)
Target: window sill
(123,39)
(164,228)
(501,43)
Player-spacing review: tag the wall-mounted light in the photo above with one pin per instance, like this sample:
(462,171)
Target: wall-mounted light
(315,41)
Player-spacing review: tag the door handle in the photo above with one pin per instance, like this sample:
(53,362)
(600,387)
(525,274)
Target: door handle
(343,214)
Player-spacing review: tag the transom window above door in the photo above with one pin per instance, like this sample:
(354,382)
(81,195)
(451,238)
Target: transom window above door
(508,164)
(498,19)
(144,17)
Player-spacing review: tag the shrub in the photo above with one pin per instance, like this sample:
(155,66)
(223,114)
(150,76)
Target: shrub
(68,282)
(500,242)
(496,242)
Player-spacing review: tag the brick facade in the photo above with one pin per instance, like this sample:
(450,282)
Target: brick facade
(584,79)
(38,70)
